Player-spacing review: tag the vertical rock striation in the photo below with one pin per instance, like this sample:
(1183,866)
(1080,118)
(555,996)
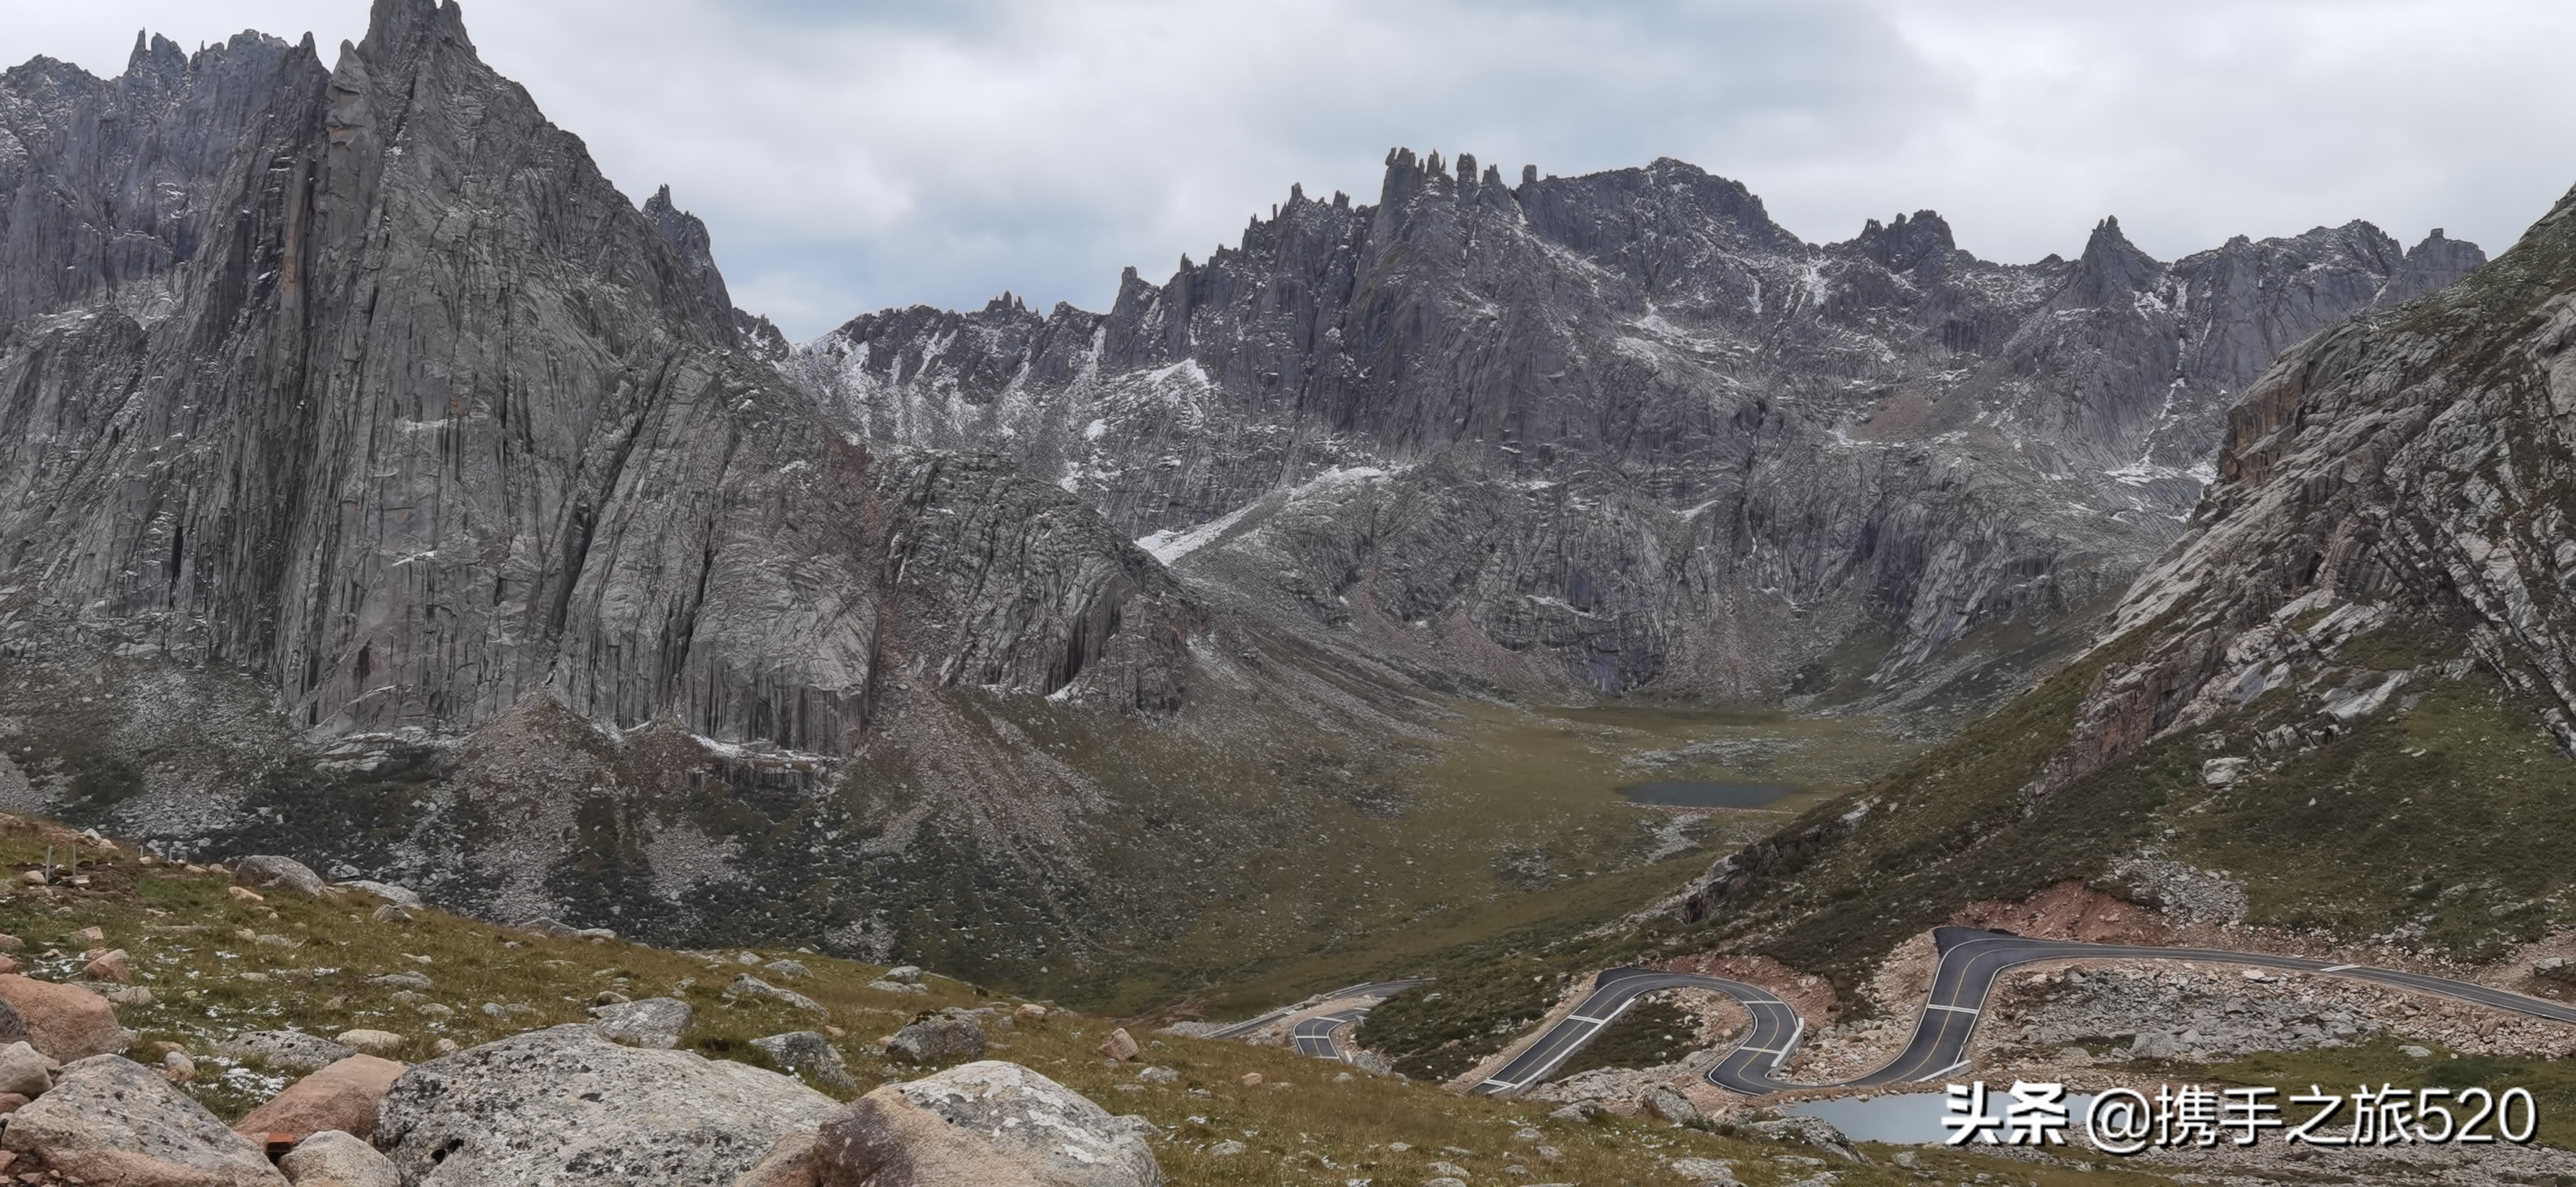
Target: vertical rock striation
(1627,421)
(365,380)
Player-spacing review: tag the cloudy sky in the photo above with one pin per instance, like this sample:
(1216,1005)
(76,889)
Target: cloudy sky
(862,153)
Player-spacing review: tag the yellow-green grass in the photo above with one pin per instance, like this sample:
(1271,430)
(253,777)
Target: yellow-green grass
(1304,1125)
(1536,785)
(2380,1062)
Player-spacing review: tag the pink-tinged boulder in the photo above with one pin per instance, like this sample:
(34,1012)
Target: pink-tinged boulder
(64,1021)
(342,1096)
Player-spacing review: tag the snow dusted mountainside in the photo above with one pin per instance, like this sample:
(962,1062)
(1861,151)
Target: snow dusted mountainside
(1624,430)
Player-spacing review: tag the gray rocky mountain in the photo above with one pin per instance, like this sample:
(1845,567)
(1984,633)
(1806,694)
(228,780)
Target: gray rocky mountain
(2342,700)
(352,402)
(1623,430)
(380,487)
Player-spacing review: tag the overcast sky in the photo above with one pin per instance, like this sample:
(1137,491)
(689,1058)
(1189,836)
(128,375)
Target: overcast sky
(866,153)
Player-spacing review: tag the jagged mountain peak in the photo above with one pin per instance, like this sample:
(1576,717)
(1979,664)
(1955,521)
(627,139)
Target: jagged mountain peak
(2111,268)
(1903,244)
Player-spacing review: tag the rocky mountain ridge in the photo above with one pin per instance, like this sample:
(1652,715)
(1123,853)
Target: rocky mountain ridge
(2340,702)
(377,480)
(1626,422)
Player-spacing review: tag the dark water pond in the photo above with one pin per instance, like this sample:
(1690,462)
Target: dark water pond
(1694,793)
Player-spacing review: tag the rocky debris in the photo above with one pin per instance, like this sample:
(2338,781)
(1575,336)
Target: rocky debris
(896,987)
(111,965)
(178,1067)
(272,873)
(331,1158)
(984,1122)
(905,974)
(287,1050)
(1159,1075)
(810,1055)
(389,913)
(567,1107)
(1577,1113)
(1708,1172)
(550,928)
(25,1071)
(788,968)
(111,1120)
(1029,1012)
(747,985)
(1664,1104)
(2184,892)
(1119,1046)
(650,1023)
(949,1034)
(63,1021)
(394,896)
(2224,772)
(383,1043)
(1813,1131)
(2156,1014)
(1228,1148)
(130,995)
(342,1096)
(403,980)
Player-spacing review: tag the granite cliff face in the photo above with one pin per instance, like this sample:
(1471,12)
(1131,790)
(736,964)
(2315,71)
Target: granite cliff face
(1623,430)
(350,407)
(366,381)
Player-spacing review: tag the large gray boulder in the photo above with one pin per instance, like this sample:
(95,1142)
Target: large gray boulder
(270,872)
(809,1055)
(990,1123)
(566,1107)
(653,1022)
(112,1120)
(949,1034)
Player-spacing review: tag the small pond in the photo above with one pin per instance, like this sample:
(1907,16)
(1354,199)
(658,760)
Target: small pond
(1695,793)
(1909,1118)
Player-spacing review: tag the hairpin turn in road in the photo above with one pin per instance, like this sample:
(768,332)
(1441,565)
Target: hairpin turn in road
(1970,962)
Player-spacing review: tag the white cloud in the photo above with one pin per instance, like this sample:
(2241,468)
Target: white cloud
(854,155)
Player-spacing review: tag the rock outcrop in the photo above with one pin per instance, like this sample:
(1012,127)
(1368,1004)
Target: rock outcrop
(1627,422)
(565,1106)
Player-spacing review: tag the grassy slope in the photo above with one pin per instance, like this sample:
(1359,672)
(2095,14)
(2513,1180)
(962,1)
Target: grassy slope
(1302,1127)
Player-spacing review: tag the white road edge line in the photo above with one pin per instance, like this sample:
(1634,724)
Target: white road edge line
(1947,1070)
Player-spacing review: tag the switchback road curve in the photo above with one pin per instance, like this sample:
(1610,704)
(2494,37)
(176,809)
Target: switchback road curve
(1320,1035)
(1970,962)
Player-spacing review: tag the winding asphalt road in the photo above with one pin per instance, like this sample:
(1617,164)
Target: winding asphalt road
(1970,961)
(1320,1035)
